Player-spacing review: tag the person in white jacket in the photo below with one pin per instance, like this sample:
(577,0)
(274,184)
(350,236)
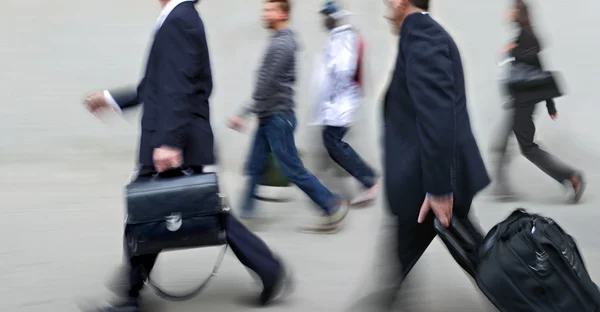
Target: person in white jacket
(339,97)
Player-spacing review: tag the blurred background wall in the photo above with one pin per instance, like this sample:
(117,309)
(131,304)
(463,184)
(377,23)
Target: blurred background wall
(54,52)
(61,170)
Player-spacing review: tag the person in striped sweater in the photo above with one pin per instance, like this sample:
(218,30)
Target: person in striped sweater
(273,104)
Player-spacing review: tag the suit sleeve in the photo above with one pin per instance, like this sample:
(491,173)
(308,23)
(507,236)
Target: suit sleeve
(430,82)
(127,97)
(551,106)
(180,68)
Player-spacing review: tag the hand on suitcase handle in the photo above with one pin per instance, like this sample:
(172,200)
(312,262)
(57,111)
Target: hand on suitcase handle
(459,229)
(441,206)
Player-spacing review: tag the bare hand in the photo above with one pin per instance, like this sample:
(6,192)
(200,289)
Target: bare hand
(509,47)
(236,123)
(96,103)
(166,157)
(441,207)
(554,116)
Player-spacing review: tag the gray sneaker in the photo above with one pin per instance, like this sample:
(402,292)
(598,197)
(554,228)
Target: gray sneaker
(329,224)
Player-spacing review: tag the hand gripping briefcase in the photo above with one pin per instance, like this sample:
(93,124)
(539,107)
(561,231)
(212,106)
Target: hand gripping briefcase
(180,212)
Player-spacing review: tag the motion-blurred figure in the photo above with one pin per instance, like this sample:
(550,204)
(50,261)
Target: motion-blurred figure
(273,103)
(176,132)
(525,49)
(432,163)
(339,95)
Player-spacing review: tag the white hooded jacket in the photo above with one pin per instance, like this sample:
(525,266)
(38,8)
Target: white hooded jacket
(338,95)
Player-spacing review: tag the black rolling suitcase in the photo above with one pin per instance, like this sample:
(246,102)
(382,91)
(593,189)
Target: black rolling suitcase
(527,263)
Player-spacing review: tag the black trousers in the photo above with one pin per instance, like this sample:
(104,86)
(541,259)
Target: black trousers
(522,124)
(402,243)
(248,248)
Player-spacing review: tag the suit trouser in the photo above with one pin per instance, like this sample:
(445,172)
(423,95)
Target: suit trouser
(407,240)
(248,248)
(523,126)
(412,238)
(402,243)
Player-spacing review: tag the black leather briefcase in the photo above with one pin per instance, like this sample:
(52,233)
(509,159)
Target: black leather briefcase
(179,212)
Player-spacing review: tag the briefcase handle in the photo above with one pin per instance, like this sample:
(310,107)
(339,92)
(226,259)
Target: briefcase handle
(193,293)
(185,171)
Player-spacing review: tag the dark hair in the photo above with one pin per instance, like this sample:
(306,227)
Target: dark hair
(523,19)
(524,22)
(284,5)
(421,4)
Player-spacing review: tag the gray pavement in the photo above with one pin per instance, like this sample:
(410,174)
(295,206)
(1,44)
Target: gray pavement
(63,171)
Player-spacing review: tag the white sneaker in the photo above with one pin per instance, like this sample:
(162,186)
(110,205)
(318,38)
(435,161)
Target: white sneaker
(366,197)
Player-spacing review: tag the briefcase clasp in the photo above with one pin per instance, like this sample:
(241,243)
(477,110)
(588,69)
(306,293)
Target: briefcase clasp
(223,202)
(173,222)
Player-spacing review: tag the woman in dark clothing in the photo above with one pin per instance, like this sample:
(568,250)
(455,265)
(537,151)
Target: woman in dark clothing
(525,49)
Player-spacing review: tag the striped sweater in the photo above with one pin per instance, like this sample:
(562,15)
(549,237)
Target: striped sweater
(274,90)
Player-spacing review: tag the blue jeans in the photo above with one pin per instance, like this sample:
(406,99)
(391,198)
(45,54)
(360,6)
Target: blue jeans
(275,135)
(345,156)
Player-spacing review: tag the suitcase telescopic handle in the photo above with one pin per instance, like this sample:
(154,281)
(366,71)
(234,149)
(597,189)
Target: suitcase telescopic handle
(462,232)
(457,228)
(455,237)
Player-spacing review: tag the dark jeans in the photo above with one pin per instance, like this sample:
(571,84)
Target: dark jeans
(345,156)
(523,126)
(248,248)
(275,135)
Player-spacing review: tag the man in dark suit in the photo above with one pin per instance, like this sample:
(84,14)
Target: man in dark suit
(176,132)
(432,161)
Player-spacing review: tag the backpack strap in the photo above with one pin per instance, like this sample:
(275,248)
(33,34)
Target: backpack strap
(361,53)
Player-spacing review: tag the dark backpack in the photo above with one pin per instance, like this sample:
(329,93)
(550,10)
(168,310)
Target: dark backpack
(527,263)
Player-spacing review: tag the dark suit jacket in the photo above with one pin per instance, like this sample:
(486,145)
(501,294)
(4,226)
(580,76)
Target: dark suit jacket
(175,90)
(429,145)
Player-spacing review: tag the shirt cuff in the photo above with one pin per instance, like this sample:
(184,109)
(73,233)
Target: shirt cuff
(506,61)
(449,195)
(108,97)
